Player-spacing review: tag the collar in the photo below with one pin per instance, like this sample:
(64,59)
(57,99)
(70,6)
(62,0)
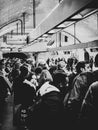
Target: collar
(46,88)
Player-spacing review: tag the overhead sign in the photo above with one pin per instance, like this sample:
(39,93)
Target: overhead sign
(13,42)
(17,39)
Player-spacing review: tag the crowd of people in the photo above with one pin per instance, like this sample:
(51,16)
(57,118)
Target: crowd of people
(59,94)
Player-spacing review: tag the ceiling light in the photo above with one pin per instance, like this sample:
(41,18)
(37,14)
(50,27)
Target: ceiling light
(45,35)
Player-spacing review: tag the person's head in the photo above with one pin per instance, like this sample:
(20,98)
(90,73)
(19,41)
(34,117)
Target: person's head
(28,66)
(38,71)
(80,67)
(96,60)
(17,65)
(42,63)
(61,65)
(24,71)
(44,77)
(52,69)
(88,67)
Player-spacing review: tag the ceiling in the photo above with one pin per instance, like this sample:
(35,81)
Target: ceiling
(12,12)
(17,21)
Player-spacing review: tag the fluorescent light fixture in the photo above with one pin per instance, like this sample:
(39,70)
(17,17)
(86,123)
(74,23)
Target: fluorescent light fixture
(45,35)
(61,26)
(40,38)
(51,32)
(78,16)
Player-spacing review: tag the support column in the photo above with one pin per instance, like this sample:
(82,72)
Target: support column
(34,21)
(74,33)
(24,22)
(17,28)
(97,21)
(60,39)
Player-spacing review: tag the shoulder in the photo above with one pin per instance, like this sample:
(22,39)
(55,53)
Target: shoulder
(94,86)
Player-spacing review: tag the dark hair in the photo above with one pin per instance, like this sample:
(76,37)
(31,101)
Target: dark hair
(80,65)
(96,60)
(38,70)
(24,71)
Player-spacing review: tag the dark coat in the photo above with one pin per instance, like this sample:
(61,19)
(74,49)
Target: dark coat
(80,86)
(48,112)
(24,93)
(89,109)
(4,86)
(95,75)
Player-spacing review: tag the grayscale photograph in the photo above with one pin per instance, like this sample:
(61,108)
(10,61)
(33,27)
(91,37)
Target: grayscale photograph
(48,64)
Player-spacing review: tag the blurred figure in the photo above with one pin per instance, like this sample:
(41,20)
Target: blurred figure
(24,94)
(45,70)
(89,108)
(95,72)
(38,71)
(4,88)
(60,78)
(88,67)
(42,63)
(81,82)
(15,71)
(23,86)
(48,111)
(52,69)
(76,95)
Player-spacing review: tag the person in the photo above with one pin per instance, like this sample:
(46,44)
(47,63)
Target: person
(24,93)
(60,78)
(95,71)
(52,69)
(23,86)
(88,67)
(44,71)
(81,82)
(89,109)
(42,63)
(47,113)
(76,95)
(4,88)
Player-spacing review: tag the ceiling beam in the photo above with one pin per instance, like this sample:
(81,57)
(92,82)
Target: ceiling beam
(76,46)
(64,11)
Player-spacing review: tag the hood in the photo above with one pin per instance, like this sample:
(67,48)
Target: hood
(46,88)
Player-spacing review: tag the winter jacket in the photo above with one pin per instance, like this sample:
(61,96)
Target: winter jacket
(4,86)
(48,111)
(80,86)
(24,91)
(89,108)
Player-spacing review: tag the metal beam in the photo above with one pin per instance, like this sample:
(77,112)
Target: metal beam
(10,22)
(34,18)
(76,46)
(64,11)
